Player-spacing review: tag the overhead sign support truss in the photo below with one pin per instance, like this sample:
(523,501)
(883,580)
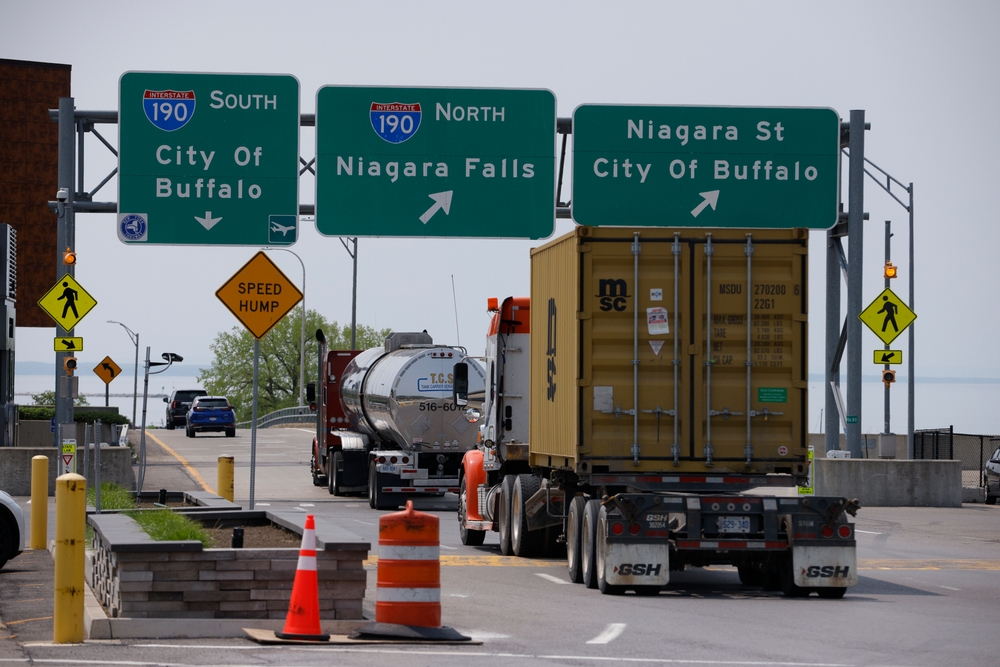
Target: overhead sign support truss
(86,122)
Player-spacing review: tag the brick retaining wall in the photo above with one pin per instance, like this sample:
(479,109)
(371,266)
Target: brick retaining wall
(137,577)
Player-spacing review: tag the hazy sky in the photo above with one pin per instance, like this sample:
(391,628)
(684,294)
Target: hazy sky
(926,73)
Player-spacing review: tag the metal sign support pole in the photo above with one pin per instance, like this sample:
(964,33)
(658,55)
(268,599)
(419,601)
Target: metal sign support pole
(888,237)
(855,227)
(831,425)
(253,418)
(910,364)
(65,238)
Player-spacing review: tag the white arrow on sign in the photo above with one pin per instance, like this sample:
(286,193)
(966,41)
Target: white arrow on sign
(442,201)
(710,199)
(208,221)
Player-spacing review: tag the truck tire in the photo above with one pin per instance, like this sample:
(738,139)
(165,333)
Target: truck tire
(335,473)
(503,514)
(600,548)
(588,540)
(574,524)
(787,579)
(376,498)
(470,537)
(750,575)
(831,593)
(525,543)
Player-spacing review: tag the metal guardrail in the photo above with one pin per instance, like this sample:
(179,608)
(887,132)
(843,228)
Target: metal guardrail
(296,415)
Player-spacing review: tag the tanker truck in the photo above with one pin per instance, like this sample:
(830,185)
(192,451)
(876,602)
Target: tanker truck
(646,408)
(387,425)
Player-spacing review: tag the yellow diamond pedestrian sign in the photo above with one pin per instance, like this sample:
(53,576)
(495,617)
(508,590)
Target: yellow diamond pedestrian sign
(259,295)
(67,302)
(887,316)
(107,370)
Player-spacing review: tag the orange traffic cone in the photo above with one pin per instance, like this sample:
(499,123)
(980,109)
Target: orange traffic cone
(302,621)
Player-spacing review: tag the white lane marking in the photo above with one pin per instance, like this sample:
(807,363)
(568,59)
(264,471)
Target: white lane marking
(445,546)
(263,504)
(949,588)
(365,522)
(549,577)
(410,651)
(611,633)
(867,532)
(307,505)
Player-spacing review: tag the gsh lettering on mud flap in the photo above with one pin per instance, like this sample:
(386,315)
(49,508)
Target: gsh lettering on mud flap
(638,569)
(826,572)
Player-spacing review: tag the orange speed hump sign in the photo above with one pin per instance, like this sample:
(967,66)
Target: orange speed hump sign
(259,295)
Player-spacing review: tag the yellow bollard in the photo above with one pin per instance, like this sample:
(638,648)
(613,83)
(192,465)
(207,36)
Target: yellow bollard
(224,484)
(39,501)
(71,536)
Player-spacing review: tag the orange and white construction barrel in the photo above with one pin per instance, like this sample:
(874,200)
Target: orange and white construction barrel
(409,569)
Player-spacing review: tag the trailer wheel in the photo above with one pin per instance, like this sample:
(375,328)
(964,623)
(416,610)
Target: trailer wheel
(335,474)
(588,540)
(787,579)
(574,524)
(600,545)
(503,519)
(525,543)
(831,593)
(750,575)
(470,537)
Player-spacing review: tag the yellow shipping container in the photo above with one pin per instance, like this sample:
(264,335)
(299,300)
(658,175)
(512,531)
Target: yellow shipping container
(702,331)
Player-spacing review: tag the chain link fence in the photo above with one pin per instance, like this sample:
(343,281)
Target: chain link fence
(972,450)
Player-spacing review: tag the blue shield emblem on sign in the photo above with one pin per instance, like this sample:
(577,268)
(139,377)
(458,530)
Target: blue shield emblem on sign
(168,110)
(395,122)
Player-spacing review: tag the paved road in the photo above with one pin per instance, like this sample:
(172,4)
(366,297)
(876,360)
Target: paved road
(928,591)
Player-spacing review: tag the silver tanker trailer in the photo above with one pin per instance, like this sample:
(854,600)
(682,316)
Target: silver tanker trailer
(387,424)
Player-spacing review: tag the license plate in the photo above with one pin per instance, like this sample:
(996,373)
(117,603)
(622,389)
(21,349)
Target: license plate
(388,468)
(212,419)
(734,524)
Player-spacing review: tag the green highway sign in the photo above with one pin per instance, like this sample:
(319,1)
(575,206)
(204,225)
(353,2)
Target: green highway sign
(680,166)
(435,162)
(208,159)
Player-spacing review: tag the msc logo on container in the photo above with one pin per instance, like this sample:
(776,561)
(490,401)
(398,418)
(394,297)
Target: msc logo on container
(826,572)
(638,569)
(612,294)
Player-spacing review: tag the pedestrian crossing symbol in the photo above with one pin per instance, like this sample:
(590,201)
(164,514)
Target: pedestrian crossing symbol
(67,302)
(887,316)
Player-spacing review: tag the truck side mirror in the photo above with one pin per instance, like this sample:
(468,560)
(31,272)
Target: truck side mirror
(460,384)
(311,392)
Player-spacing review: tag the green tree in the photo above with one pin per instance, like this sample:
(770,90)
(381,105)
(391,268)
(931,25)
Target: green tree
(48,397)
(231,372)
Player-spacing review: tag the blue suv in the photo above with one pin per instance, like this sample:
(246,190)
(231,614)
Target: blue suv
(211,413)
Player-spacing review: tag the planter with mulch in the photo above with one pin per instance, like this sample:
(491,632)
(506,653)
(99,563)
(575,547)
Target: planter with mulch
(134,576)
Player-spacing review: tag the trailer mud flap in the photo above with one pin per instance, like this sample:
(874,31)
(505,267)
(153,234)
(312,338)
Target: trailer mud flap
(634,564)
(825,567)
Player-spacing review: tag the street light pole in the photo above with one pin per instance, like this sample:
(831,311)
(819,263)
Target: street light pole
(302,350)
(135,385)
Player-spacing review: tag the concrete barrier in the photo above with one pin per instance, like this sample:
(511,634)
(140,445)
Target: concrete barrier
(34,433)
(15,467)
(891,483)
